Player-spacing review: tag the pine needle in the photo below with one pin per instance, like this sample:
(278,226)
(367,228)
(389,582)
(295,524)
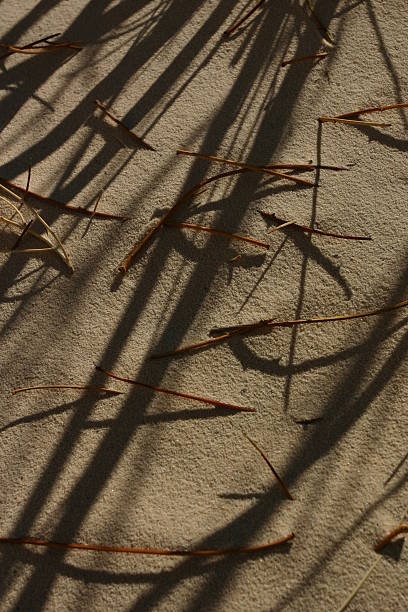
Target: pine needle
(245,329)
(402,528)
(322,29)
(310,230)
(294,60)
(36,42)
(211,230)
(196,398)
(274,472)
(356,122)
(373,109)
(53,387)
(247,15)
(138,139)
(151,551)
(358,587)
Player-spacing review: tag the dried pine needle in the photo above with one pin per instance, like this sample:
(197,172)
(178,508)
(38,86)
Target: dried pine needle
(138,139)
(359,585)
(294,60)
(150,551)
(245,329)
(196,398)
(373,109)
(36,42)
(66,207)
(211,230)
(250,167)
(357,122)
(310,230)
(247,15)
(59,387)
(274,472)
(402,528)
(322,29)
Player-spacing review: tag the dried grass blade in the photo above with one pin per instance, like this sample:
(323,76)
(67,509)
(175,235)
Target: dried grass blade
(274,472)
(357,122)
(402,528)
(138,139)
(247,328)
(196,398)
(66,207)
(315,56)
(373,109)
(358,587)
(250,167)
(310,230)
(211,230)
(151,551)
(322,29)
(55,387)
(247,15)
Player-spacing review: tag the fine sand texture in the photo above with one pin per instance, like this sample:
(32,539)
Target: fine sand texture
(317,463)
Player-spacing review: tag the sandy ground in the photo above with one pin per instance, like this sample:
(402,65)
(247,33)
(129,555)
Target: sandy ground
(145,469)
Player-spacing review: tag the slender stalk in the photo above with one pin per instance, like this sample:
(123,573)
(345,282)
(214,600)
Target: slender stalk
(52,387)
(36,42)
(245,329)
(315,56)
(196,398)
(247,15)
(211,230)
(151,551)
(128,260)
(65,207)
(39,50)
(373,109)
(23,233)
(251,167)
(322,29)
(138,139)
(310,230)
(402,528)
(357,122)
(274,472)
(358,587)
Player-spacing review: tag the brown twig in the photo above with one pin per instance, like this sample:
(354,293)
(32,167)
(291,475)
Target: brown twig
(196,398)
(23,233)
(151,551)
(224,330)
(402,528)
(373,109)
(30,50)
(211,230)
(127,261)
(84,387)
(66,207)
(322,29)
(352,122)
(274,472)
(311,230)
(138,139)
(273,323)
(247,15)
(294,60)
(36,42)
(250,167)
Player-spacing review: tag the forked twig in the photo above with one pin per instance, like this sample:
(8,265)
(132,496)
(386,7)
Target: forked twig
(358,122)
(138,139)
(250,167)
(402,528)
(373,109)
(315,56)
(66,207)
(151,551)
(127,261)
(274,472)
(211,230)
(247,15)
(245,329)
(196,398)
(310,230)
(52,387)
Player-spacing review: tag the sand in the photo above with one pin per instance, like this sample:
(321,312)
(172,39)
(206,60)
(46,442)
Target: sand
(145,469)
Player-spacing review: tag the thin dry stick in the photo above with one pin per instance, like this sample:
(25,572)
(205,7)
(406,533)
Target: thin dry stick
(247,15)
(223,330)
(358,587)
(84,387)
(274,472)
(310,230)
(40,50)
(196,398)
(402,528)
(251,167)
(127,261)
(322,29)
(23,233)
(36,42)
(294,60)
(281,226)
(50,246)
(211,230)
(138,139)
(373,109)
(357,122)
(248,328)
(151,551)
(65,207)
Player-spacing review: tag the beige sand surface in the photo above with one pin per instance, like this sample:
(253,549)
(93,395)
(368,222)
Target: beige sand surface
(148,470)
